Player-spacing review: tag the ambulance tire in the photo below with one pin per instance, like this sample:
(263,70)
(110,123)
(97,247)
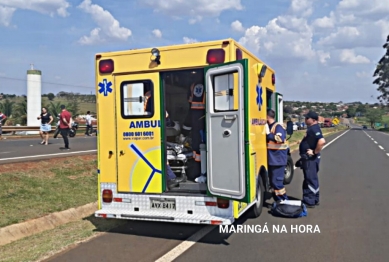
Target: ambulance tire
(289,171)
(260,196)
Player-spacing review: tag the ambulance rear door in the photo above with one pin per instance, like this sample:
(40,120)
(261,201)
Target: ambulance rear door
(227,162)
(139,155)
(279,108)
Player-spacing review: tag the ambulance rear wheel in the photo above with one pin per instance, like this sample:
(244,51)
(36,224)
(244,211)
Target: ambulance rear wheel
(257,207)
(289,170)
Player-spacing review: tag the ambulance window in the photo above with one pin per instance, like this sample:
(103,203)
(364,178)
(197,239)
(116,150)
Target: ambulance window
(137,99)
(226,92)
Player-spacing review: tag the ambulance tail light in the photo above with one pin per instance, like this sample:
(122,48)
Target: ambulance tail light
(239,54)
(273,79)
(107,196)
(106,66)
(223,203)
(216,56)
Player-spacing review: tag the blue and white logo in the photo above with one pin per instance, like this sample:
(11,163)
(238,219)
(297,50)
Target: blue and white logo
(259,97)
(198,90)
(105,87)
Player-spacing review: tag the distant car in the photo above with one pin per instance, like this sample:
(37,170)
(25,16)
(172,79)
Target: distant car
(364,127)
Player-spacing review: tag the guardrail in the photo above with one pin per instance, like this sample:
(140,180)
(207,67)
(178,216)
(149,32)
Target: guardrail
(32,128)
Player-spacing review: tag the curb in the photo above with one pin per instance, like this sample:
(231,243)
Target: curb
(18,231)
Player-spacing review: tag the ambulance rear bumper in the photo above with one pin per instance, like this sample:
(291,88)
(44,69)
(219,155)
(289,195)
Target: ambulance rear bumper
(162,216)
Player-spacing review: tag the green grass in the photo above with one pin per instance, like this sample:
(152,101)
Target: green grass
(35,189)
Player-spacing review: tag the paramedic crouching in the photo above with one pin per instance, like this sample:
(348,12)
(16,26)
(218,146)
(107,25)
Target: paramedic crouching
(276,155)
(310,148)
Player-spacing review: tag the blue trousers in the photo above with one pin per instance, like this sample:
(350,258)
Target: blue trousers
(170,173)
(311,181)
(277,174)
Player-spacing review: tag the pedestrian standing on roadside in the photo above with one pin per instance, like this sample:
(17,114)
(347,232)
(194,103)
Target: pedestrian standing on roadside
(310,148)
(65,123)
(88,122)
(46,120)
(2,119)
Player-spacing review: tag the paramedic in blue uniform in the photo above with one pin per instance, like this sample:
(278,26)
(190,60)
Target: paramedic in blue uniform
(195,121)
(310,148)
(277,155)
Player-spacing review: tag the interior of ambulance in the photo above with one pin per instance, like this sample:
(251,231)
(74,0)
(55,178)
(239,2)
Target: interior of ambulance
(178,131)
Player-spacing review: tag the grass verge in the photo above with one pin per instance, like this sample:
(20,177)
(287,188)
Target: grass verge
(48,243)
(34,189)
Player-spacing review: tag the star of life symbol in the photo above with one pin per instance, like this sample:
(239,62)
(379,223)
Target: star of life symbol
(198,90)
(105,87)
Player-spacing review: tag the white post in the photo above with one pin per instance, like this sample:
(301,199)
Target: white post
(34,87)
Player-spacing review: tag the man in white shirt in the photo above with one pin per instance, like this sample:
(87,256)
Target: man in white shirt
(88,122)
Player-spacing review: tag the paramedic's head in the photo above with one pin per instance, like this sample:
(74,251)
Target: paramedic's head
(311,118)
(63,107)
(270,116)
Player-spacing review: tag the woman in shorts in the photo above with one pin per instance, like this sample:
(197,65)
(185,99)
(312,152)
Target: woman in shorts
(46,120)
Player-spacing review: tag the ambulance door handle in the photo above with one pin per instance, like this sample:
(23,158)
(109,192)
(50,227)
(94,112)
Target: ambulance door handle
(230,117)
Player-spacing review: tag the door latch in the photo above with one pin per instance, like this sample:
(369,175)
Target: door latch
(227,133)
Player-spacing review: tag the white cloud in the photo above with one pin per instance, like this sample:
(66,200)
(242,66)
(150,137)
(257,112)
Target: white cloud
(157,33)
(349,56)
(109,27)
(237,26)
(323,56)
(188,40)
(370,9)
(6,15)
(363,74)
(49,7)
(302,7)
(325,22)
(285,36)
(194,9)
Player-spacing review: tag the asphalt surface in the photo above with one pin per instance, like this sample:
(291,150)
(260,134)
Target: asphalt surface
(30,149)
(352,218)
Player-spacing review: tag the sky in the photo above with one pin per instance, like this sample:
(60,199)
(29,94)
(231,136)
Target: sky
(322,50)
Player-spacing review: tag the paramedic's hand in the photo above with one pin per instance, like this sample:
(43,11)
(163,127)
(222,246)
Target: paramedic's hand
(267,129)
(310,152)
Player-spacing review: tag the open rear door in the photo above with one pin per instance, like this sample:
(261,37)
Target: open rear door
(279,108)
(226,153)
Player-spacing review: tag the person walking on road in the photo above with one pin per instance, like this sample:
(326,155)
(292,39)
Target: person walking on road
(2,119)
(276,155)
(65,123)
(46,120)
(309,149)
(88,122)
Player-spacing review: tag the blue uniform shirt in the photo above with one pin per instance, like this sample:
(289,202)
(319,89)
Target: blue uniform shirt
(277,157)
(311,138)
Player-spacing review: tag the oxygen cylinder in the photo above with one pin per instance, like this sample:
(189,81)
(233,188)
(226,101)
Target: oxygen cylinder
(203,157)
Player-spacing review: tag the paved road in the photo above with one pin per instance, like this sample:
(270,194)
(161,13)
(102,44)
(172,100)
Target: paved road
(352,220)
(27,149)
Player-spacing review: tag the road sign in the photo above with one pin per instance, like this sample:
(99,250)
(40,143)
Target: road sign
(335,121)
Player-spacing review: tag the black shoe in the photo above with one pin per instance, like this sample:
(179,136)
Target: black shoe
(64,148)
(172,183)
(318,204)
(308,205)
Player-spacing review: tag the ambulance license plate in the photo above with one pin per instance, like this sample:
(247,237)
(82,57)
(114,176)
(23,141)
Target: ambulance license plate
(163,203)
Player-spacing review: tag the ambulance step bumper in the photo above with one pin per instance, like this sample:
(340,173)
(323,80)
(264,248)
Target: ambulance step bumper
(163,216)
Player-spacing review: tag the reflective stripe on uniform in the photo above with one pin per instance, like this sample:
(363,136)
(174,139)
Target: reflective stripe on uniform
(197,105)
(276,145)
(313,190)
(280,192)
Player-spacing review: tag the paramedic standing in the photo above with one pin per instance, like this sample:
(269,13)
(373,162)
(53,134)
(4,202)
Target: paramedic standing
(310,148)
(2,119)
(65,124)
(196,115)
(277,155)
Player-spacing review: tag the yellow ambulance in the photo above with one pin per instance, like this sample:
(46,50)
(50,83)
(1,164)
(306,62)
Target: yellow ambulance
(136,146)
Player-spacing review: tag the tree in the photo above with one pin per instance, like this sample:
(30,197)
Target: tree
(374,115)
(382,74)
(351,111)
(50,96)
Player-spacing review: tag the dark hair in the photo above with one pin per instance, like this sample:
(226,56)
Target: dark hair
(271,113)
(88,112)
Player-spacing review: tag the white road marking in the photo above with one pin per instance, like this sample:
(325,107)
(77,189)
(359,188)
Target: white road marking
(387,154)
(55,154)
(376,142)
(181,248)
(381,147)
